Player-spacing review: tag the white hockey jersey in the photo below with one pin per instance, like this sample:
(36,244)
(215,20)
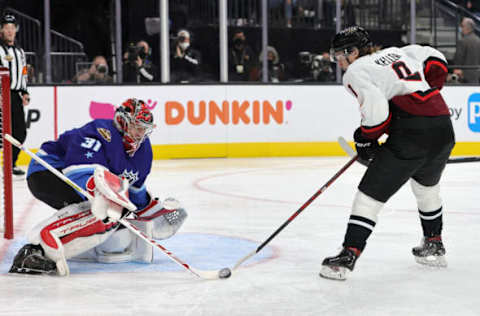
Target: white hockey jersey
(410,78)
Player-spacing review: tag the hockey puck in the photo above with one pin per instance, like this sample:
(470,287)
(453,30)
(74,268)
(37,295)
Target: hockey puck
(224,273)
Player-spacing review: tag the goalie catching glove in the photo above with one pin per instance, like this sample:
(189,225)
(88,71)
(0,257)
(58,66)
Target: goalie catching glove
(167,217)
(110,195)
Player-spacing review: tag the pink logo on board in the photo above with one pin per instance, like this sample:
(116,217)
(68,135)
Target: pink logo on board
(100,110)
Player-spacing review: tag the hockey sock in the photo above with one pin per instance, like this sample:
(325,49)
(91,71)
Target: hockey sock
(432,222)
(358,230)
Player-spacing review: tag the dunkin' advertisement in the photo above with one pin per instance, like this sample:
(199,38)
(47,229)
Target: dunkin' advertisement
(228,114)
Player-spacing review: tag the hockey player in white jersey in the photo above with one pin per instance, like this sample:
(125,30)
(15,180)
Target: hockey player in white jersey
(398,91)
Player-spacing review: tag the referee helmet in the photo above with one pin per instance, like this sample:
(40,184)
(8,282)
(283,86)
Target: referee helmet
(8,18)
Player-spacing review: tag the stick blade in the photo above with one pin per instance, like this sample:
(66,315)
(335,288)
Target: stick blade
(346,147)
(224,273)
(242,260)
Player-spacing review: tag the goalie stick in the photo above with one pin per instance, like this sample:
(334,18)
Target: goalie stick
(294,215)
(351,152)
(208,275)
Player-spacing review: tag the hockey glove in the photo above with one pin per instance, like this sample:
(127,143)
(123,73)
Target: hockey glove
(167,217)
(366,148)
(110,195)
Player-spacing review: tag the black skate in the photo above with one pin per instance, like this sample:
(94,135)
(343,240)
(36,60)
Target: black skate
(335,268)
(31,260)
(431,252)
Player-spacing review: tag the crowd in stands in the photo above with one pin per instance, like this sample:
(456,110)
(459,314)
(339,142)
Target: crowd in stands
(245,58)
(186,64)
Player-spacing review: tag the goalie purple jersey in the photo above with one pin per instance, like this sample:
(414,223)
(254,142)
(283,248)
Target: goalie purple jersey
(78,151)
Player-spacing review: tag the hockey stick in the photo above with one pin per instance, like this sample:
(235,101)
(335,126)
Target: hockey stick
(463,159)
(209,275)
(351,152)
(294,215)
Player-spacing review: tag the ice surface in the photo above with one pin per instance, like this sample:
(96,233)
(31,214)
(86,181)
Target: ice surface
(234,205)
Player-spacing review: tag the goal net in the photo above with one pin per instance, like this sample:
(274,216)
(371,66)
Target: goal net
(6,211)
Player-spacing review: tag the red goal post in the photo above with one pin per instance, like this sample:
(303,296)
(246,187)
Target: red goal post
(6,205)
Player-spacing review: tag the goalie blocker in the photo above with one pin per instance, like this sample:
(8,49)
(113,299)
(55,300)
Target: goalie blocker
(90,231)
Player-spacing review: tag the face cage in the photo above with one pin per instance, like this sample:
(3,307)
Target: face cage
(132,143)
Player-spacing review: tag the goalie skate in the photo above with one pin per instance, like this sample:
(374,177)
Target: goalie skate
(31,260)
(431,252)
(336,268)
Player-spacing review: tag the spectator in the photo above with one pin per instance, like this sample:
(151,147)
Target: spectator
(322,68)
(137,66)
(467,53)
(186,61)
(289,4)
(306,10)
(472,6)
(241,59)
(240,11)
(301,67)
(328,8)
(276,11)
(276,70)
(97,73)
(31,74)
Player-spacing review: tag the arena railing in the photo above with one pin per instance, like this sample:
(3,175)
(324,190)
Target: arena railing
(66,51)
(385,14)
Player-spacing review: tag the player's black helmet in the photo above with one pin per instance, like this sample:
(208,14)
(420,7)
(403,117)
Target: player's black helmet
(353,36)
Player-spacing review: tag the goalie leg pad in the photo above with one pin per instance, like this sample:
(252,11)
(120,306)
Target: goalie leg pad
(70,231)
(122,246)
(125,246)
(143,251)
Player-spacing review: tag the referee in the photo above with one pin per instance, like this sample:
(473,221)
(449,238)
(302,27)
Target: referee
(13,57)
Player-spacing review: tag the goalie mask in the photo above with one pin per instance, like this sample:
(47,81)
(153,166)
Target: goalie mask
(135,122)
(346,40)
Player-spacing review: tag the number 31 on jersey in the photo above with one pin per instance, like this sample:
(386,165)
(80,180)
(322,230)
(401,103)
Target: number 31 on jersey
(91,143)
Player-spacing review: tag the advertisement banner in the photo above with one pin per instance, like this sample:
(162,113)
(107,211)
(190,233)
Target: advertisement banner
(464,105)
(40,116)
(228,114)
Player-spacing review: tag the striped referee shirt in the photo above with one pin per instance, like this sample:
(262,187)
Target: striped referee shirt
(14,59)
